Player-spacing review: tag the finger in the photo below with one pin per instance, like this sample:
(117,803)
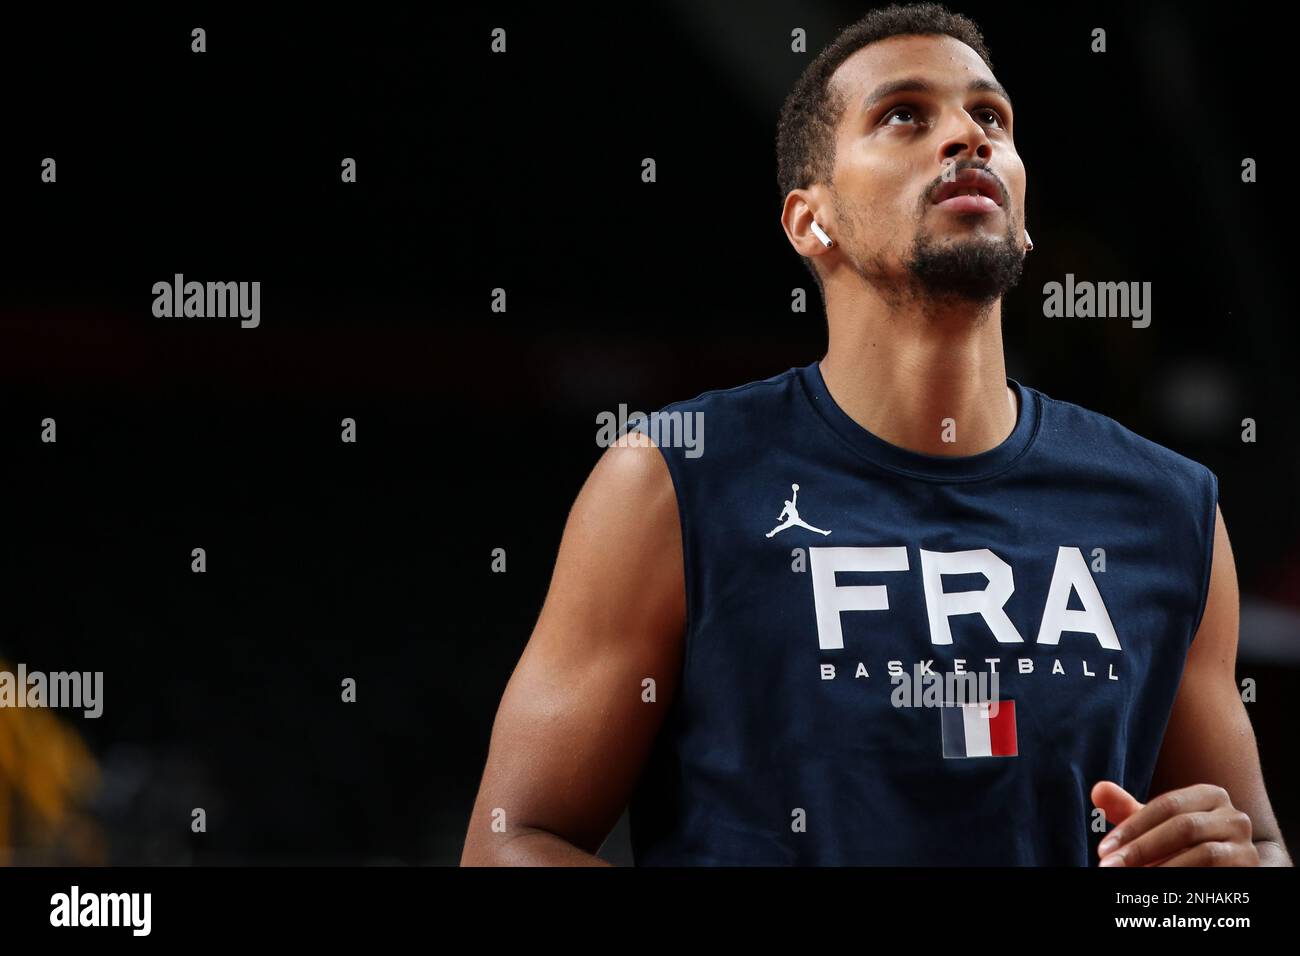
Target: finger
(1201,796)
(1217,854)
(1179,833)
(1114,801)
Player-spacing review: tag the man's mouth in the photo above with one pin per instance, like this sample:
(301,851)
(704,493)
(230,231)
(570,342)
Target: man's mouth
(973,190)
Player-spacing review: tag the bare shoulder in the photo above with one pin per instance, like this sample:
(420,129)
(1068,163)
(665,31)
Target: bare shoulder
(631,488)
(622,551)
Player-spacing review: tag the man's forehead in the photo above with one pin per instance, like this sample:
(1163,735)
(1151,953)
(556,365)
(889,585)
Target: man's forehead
(941,60)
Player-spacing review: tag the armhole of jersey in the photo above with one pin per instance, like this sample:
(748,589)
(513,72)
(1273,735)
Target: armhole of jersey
(1209,554)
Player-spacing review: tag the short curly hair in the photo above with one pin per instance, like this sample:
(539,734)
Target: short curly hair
(805,133)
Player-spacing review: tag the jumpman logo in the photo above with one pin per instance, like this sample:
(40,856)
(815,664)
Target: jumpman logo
(790,516)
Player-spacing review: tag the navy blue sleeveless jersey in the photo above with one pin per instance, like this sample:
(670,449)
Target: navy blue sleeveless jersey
(841,590)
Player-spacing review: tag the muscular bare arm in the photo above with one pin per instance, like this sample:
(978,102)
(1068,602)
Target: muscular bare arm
(1211,807)
(573,731)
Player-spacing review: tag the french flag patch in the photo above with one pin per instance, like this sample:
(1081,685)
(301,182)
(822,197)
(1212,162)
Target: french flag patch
(979,730)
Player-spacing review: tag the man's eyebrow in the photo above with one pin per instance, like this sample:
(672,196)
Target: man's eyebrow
(913,84)
(990,86)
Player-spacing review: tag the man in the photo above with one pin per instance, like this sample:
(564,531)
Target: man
(766,696)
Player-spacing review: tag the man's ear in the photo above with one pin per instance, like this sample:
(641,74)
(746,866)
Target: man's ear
(801,208)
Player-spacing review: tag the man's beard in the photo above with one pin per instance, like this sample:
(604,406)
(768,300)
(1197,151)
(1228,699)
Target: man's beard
(976,270)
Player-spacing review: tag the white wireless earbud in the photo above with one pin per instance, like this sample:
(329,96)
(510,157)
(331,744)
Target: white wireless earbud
(820,233)
(1029,243)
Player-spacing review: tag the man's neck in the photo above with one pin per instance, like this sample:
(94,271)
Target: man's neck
(928,381)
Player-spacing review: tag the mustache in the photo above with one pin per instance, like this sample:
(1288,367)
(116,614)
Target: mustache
(928,194)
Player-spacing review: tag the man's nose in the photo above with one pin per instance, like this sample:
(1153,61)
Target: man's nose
(964,138)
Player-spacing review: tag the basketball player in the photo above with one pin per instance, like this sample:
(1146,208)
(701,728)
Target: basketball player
(737,685)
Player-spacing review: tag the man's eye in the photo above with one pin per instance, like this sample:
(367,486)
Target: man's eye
(990,116)
(906,112)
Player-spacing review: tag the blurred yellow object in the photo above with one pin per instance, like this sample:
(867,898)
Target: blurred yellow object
(47,775)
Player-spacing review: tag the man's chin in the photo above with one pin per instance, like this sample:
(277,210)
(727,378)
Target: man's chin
(978,268)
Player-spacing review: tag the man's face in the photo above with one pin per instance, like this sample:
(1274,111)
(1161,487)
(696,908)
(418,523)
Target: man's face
(913,103)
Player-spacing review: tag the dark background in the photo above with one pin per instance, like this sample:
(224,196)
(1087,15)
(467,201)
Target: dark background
(476,429)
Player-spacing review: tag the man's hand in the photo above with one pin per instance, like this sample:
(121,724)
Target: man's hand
(1192,826)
